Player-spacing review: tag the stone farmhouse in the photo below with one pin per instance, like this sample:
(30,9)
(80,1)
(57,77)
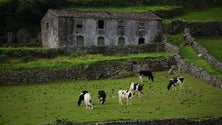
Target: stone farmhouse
(62,28)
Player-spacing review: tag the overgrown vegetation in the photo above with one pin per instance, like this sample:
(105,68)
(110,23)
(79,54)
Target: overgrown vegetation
(45,103)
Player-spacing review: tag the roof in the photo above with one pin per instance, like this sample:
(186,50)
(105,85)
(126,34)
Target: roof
(105,15)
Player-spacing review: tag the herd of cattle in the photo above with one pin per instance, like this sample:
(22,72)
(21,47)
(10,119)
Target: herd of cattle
(127,94)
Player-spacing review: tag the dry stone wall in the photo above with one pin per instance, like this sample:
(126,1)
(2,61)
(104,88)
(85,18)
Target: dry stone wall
(176,121)
(196,28)
(200,49)
(191,69)
(97,70)
(115,50)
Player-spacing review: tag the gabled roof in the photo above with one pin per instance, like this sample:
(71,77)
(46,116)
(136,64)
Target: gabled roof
(105,15)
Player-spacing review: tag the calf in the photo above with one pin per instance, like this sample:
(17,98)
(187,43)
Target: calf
(136,87)
(101,96)
(146,73)
(87,99)
(125,94)
(176,81)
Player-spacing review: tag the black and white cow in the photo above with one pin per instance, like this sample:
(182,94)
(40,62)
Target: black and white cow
(84,95)
(136,87)
(101,96)
(146,73)
(125,94)
(176,81)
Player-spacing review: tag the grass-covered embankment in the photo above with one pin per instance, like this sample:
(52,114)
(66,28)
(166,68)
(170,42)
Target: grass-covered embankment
(69,61)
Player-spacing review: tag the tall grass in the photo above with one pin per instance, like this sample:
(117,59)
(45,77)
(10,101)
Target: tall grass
(45,103)
(213,45)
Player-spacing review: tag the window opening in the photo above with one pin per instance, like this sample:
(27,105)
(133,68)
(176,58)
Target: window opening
(121,27)
(79,41)
(101,24)
(101,41)
(47,25)
(141,25)
(121,41)
(79,24)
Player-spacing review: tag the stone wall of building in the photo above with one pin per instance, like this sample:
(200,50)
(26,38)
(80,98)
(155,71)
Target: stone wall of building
(118,50)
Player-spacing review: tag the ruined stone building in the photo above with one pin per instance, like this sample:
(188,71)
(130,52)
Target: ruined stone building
(62,28)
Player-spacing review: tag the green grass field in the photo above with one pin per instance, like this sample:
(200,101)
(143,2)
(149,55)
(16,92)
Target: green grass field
(44,103)
(213,45)
(201,15)
(69,61)
(191,56)
(124,9)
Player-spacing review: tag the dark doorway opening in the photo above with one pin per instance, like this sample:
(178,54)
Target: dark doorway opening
(141,41)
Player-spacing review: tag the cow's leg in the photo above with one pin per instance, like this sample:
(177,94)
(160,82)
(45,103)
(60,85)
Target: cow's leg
(120,101)
(91,106)
(129,101)
(139,93)
(174,87)
(181,86)
(141,79)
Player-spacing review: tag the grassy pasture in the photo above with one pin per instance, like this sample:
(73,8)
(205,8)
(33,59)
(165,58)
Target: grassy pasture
(201,14)
(213,45)
(190,56)
(124,9)
(44,103)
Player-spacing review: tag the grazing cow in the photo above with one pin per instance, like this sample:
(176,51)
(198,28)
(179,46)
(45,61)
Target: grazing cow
(125,94)
(146,73)
(176,81)
(136,87)
(101,96)
(87,99)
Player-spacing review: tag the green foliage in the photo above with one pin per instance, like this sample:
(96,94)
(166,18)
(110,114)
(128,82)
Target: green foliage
(190,56)
(176,40)
(33,52)
(213,45)
(77,53)
(57,102)
(4,58)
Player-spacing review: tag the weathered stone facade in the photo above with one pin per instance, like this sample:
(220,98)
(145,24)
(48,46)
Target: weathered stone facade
(61,28)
